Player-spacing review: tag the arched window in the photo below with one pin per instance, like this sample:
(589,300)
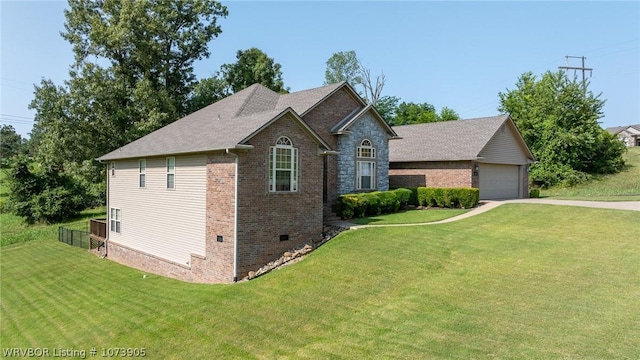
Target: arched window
(283,166)
(366,150)
(366,169)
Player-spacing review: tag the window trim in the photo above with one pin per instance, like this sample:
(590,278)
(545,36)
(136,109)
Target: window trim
(142,173)
(115,220)
(359,175)
(366,146)
(293,168)
(171,172)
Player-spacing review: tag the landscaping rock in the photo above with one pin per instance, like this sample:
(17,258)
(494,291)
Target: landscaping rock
(296,254)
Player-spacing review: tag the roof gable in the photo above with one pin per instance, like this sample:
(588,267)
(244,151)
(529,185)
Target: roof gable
(449,140)
(344,125)
(304,101)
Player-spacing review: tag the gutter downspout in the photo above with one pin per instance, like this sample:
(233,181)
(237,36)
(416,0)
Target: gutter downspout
(106,240)
(235,218)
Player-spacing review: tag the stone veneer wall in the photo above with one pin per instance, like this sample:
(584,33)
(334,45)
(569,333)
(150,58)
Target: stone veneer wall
(322,119)
(364,128)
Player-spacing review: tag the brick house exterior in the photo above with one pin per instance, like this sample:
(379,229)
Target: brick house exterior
(229,188)
(485,153)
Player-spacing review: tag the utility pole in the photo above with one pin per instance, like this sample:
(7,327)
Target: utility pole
(576,68)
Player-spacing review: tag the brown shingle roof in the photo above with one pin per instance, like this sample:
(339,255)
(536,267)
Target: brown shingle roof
(224,124)
(444,141)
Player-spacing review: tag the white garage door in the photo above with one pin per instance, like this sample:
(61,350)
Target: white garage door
(499,181)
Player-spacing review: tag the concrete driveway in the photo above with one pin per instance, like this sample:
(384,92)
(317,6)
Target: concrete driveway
(619,205)
(486,205)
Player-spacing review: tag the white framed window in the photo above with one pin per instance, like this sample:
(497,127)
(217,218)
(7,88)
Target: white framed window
(366,176)
(366,150)
(142,173)
(283,166)
(171,172)
(112,168)
(366,169)
(115,220)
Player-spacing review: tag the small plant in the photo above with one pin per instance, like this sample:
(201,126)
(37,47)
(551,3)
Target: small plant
(534,193)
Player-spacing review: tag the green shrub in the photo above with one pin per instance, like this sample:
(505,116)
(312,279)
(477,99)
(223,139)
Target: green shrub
(368,204)
(425,196)
(413,200)
(404,196)
(441,197)
(534,193)
(389,202)
(350,206)
(465,198)
(373,203)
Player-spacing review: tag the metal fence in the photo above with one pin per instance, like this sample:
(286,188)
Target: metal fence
(77,238)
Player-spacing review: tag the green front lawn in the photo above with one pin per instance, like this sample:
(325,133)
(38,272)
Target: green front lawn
(410,217)
(521,282)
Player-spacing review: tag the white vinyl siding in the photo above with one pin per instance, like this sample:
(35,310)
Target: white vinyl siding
(167,224)
(504,148)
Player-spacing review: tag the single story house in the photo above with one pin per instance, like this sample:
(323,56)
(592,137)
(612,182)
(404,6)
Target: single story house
(229,188)
(629,135)
(486,153)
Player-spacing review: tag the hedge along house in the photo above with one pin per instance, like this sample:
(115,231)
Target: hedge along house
(486,153)
(232,186)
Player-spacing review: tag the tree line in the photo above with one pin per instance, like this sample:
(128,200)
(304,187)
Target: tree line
(133,73)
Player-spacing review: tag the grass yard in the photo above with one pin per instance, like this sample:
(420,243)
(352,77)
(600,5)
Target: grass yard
(521,281)
(624,186)
(14,230)
(410,217)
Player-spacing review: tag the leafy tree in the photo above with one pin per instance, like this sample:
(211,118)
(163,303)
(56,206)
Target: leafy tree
(42,194)
(132,74)
(447,114)
(412,113)
(343,66)
(11,143)
(387,107)
(346,66)
(253,66)
(558,119)
(207,91)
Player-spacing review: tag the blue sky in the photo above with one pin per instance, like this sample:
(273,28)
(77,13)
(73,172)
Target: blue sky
(454,54)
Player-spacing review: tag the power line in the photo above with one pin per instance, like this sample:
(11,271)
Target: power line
(576,68)
(16,116)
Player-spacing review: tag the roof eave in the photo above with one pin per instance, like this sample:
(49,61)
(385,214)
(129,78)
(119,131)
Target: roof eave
(200,151)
